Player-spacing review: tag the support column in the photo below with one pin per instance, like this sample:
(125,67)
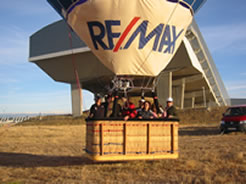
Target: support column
(204,96)
(170,84)
(179,93)
(176,95)
(193,101)
(164,87)
(182,93)
(76,95)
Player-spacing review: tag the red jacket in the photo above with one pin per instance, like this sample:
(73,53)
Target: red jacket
(129,110)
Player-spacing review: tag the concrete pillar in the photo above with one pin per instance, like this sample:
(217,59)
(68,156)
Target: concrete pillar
(176,95)
(182,95)
(193,101)
(179,94)
(204,96)
(164,87)
(76,95)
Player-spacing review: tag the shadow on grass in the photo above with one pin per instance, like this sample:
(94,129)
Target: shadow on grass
(199,131)
(25,160)
(8,159)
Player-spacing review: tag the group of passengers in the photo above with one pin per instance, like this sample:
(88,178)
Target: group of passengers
(145,110)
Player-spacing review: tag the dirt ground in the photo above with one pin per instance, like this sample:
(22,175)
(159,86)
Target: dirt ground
(54,154)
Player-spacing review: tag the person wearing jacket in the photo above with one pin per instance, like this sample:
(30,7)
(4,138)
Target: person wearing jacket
(97,110)
(146,112)
(170,109)
(128,109)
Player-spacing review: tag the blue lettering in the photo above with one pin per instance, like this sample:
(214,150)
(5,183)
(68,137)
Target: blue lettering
(165,40)
(143,39)
(97,38)
(175,37)
(165,37)
(111,35)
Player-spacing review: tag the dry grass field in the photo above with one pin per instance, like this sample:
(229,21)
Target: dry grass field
(54,154)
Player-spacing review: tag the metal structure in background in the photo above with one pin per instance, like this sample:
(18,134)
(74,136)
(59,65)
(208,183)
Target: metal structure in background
(212,76)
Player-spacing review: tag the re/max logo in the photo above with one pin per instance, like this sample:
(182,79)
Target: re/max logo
(164,36)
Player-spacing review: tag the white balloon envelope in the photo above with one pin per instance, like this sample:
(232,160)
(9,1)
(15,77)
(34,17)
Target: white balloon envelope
(130,37)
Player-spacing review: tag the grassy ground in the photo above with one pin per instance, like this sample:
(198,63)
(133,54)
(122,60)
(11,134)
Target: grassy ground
(201,115)
(54,154)
(55,120)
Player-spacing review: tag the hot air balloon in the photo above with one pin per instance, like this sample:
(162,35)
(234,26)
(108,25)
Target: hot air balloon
(134,39)
(130,37)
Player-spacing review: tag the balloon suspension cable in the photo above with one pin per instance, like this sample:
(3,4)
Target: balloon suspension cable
(154,83)
(163,28)
(142,94)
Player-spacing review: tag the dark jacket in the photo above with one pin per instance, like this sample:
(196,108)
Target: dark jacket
(97,111)
(145,114)
(171,111)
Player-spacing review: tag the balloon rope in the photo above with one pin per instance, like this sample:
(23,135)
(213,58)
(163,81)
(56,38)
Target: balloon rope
(193,3)
(73,57)
(61,5)
(74,64)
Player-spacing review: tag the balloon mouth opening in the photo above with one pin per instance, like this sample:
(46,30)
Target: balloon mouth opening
(133,83)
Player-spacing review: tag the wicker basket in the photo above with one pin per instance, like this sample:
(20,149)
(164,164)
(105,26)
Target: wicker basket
(118,140)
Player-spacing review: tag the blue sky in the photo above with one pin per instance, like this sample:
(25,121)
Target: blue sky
(24,88)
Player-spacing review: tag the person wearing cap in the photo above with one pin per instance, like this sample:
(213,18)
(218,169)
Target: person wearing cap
(170,109)
(97,110)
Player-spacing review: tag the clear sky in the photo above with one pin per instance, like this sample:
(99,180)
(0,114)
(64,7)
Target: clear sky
(25,88)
